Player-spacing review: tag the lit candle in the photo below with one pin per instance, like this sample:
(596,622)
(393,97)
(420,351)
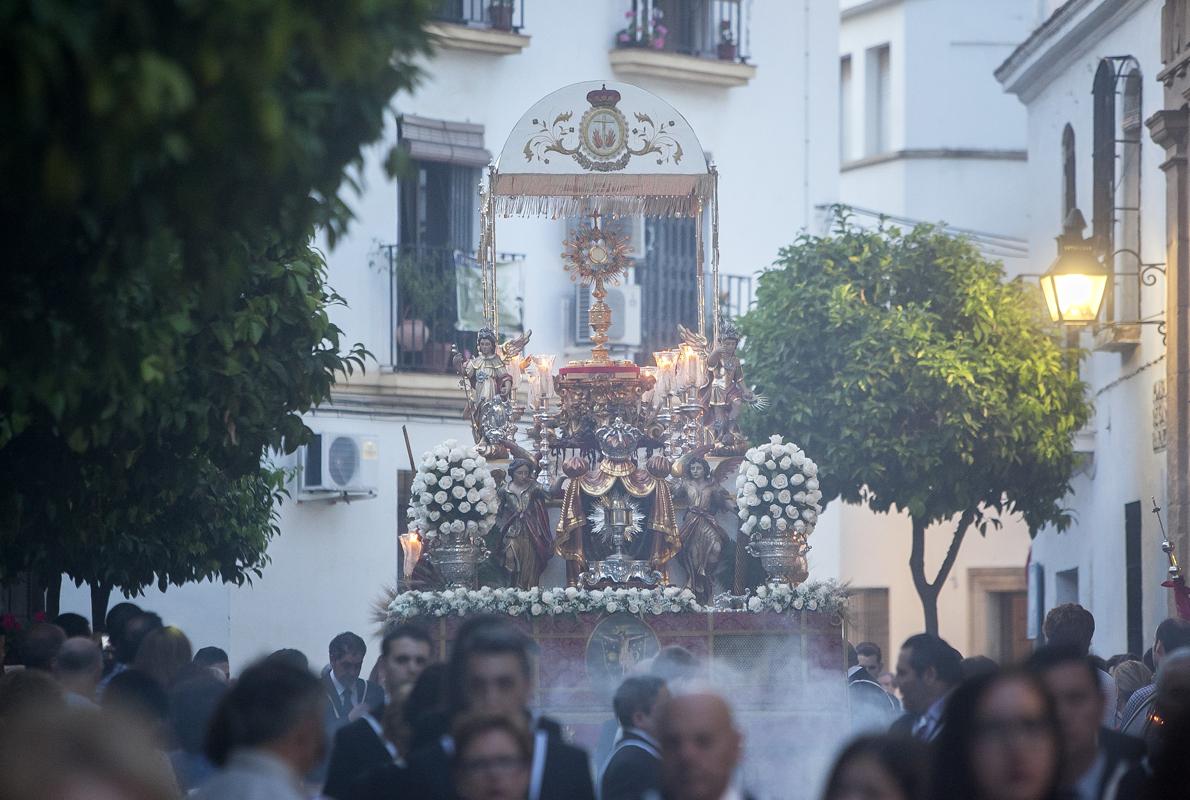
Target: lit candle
(545,373)
(534,381)
(665,372)
(411,550)
(687,364)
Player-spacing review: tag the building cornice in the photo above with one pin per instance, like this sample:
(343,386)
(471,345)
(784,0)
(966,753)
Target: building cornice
(1073,29)
(859,9)
(935,153)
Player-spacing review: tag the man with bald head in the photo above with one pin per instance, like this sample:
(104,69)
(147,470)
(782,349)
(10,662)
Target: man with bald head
(700,748)
(78,667)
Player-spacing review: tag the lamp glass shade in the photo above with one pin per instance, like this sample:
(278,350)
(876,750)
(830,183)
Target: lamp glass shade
(1074,287)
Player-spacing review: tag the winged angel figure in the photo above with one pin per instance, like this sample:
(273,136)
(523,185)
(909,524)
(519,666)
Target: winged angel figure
(722,392)
(489,380)
(703,539)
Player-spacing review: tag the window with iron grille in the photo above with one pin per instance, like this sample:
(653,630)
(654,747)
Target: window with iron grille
(437,217)
(669,288)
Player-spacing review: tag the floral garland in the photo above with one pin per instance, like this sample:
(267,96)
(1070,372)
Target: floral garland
(824,596)
(777,490)
(453,492)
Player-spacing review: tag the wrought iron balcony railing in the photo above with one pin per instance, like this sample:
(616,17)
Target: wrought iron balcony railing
(704,28)
(424,297)
(502,15)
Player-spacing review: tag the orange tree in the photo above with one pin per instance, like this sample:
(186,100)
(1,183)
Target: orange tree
(917,378)
(164,322)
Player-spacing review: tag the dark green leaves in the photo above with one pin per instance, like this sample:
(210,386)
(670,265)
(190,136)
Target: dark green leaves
(904,363)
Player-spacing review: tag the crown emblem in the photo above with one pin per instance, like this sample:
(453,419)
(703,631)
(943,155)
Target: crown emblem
(603,97)
(618,440)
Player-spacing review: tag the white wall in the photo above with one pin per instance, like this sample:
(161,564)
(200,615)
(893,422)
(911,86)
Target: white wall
(1125,467)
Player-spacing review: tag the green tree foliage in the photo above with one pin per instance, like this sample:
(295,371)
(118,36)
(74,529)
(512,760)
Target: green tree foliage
(918,378)
(164,320)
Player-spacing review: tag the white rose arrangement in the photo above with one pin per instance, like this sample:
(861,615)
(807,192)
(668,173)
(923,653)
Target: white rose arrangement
(453,493)
(777,491)
(825,596)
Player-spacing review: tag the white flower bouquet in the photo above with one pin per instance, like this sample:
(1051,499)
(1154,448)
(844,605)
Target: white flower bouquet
(777,491)
(453,493)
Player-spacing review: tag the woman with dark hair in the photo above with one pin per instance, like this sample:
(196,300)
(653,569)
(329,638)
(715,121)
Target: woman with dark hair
(887,767)
(492,757)
(999,741)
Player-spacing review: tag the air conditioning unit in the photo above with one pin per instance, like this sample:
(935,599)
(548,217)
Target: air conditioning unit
(625,305)
(338,466)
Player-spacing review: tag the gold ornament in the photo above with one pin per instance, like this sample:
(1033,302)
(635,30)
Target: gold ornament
(596,258)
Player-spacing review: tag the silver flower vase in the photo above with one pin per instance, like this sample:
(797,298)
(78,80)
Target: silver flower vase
(457,557)
(784,558)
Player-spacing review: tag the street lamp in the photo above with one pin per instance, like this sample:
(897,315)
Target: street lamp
(1075,283)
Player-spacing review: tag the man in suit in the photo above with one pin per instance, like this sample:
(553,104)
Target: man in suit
(870,658)
(361,745)
(349,695)
(1094,757)
(872,708)
(635,762)
(700,749)
(928,669)
(490,673)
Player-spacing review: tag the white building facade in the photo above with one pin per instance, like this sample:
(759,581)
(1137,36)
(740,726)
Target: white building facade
(1088,80)
(764,110)
(928,135)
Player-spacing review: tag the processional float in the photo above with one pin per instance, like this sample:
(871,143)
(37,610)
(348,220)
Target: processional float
(609,465)
(625,440)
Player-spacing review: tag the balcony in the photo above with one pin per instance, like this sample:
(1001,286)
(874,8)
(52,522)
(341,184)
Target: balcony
(424,305)
(481,26)
(697,41)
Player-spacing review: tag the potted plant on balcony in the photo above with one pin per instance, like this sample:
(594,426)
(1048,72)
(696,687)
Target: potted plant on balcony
(634,34)
(727,45)
(500,13)
(426,295)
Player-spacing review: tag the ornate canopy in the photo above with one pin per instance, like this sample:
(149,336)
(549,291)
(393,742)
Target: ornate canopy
(601,147)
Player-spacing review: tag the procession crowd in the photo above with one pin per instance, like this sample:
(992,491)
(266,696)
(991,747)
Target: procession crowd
(147,718)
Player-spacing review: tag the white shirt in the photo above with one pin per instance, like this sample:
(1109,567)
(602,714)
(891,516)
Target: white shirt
(253,775)
(340,688)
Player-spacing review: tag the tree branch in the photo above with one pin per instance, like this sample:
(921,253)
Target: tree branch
(952,552)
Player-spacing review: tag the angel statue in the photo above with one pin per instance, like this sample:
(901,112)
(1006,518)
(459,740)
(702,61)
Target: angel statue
(524,541)
(723,391)
(703,539)
(488,382)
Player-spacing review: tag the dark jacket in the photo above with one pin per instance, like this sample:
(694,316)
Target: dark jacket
(567,775)
(634,766)
(356,750)
(1122,753)
(371,693)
